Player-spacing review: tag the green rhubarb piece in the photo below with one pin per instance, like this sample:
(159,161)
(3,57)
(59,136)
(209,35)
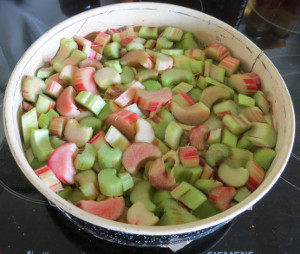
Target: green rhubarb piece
(173,135)
(127,75)
(225,107)
(74,59)
(31,87)
(93,122)
(45,72)
(229,138)
(87,183)
(65,49)
(44,103)
(175,216)
(207,67)
(114,64)
(150,44)
(241,194)
(262,102)
(110,157)
(217,73)
(214,136)
(269,119)
(134,46)
(142,191)
(168,203)
(189,175)
(148,32)
(216,83)
(127,181)
(189,64)
(86,159)
(109,183)
(182,88)
(195,93)
(162,146)
(77,133)
(235,177)
(213,123)
(40,144)
(189,195)
(160,123)
(151,85)
(236,124)
(105,111)
(67,74)
(215,154)
(172,34)
(243,141)
(66,192)
(262,135)
(29,121)
(163,43)
(160,195)
(76,196)
(197,67)
(96,167)
(264,157)
(245,100)
(197,54)
(205,210)
(144,75)
(207,185)
(56,141)
(92,102)
(188,41)
(238,158)
(112,50)
(116,139)
(172,52)
(44,119)
(175,76)
(201,82)
(106,77)
(35,163)
(52,113)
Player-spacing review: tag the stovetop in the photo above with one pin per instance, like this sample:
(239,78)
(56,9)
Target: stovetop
(29,224)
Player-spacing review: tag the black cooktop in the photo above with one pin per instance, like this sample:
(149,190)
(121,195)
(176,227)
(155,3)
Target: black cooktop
(29,224)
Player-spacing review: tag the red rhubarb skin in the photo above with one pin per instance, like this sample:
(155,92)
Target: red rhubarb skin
(198,137)
(189,156)
(221,197)
(152,100)
(111,208)
(66,103)
(137,155)
(61,162)
(125,121)
(159,177)
(84,80)
(256,177)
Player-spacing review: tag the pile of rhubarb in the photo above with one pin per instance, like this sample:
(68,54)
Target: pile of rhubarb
(147,126)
